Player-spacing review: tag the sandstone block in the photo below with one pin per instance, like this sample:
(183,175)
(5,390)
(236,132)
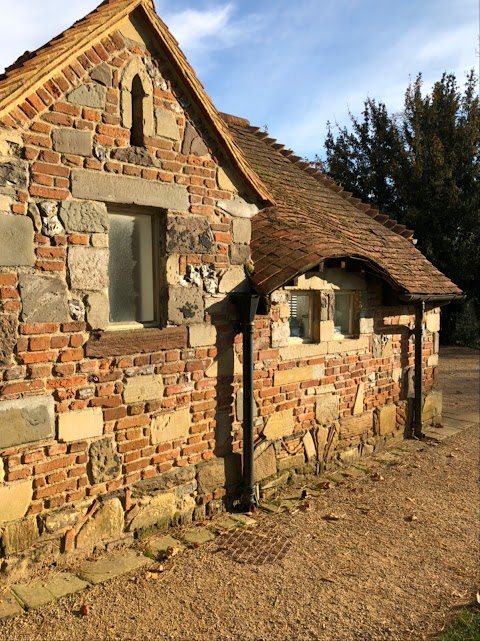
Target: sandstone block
(366,326)
(359,397)
(279,424)
(327,408)
(56,521)
(265,464)
(297,351)
(16,241)
(432,405)
(242,231)
(13,176)
(349,455)
(239,254)
(19,536)
(143,388)
(387,419)
(44,299)
(156,511)
(298,374)
(14,500)
(176,478)
(193,143)
(202,335)
(102,74)
(432,360)
(105,525)
(218,473)
(72,141)
(309,445)
(234,280)
(433,322)
(88,268)
(188,235)
(172,426)
(2,471)
(322,437)
(26,420)
(84,216)
(166,124)
(280,333)
(93,185)
(353,426)
(185,305)
(135,156)
(238,207)
(89,95)
(97,310)
(76,426)
(291,462)
(104,462)
(225,184)
(327,330)
(8,337)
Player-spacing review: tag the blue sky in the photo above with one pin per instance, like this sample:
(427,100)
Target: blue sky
(290,64)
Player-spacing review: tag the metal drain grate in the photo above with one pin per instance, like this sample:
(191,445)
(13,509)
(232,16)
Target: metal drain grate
(251,546)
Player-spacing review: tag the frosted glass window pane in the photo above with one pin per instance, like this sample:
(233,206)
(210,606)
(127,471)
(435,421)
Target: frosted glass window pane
(131,268)
(343,310)
(300,315)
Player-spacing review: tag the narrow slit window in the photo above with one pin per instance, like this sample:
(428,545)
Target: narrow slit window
(343,313)
(301,316)
(136,131)
(131,268)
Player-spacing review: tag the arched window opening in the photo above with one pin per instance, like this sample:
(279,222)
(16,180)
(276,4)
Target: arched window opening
(136,130)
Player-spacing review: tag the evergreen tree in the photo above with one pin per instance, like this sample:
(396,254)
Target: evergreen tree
(422,167)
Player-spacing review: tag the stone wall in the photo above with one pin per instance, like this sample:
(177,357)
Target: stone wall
(103,433)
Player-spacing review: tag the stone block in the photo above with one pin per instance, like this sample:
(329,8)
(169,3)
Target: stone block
(280,333)
(84,216)
(309,445)
(294,462)
(16,241)
(93,185)
(188,235)
(88,268)
(171,427)
(239,254)
(102,74)
(297,351)
(19,536)
(97,310)
(56,521)
(202,335)
(26,420)
(13,176)
(104,462)
(89,95)
(9,606)
(433,321)
(105,525)
(157,511)
(193,143)
(44,299)
(298,375)
(432,360)
(72,141)
(166,124)
(198,536)
(265,464)
(387,419)
(159,546)
(359,398)
(432,405)
(226,365)
(143,388)
(354,426)
(241,231)
(234,280)
(279,424)
(238,207)
(2,471)
(366,326)
(349,455)
(397,373)
(108,568)
(176,478)
(322,437)
(327,408)
(218,473)
(225,184)
(77,426)
(8,338)
(14,501)
(436,342)
(5,204)
(185,305)
(135,156)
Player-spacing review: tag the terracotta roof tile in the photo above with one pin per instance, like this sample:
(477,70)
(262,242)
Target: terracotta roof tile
(314,220)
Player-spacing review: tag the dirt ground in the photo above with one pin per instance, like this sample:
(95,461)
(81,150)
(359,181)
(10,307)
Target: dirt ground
(401,558)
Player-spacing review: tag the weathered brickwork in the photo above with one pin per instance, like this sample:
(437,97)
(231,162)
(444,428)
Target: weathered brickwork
(151,419)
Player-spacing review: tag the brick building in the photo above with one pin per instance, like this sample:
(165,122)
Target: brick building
(135,223)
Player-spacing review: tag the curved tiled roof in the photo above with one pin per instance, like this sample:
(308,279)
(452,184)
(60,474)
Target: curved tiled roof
(314,220)
(33,69)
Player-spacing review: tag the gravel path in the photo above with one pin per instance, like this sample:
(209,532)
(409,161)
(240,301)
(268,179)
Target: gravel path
(401,557)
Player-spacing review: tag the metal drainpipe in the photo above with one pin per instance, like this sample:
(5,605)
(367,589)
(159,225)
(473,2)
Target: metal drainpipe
(247,306)
(419,311)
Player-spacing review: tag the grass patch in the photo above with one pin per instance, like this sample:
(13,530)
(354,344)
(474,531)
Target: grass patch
(465,627)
